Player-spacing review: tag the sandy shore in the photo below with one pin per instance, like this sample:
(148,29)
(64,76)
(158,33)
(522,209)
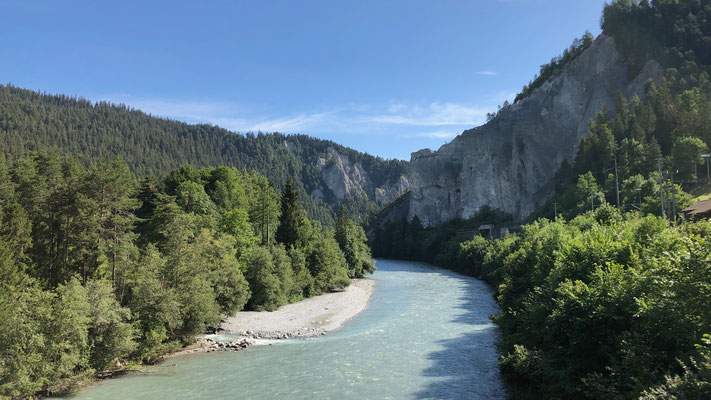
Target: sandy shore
(308,318)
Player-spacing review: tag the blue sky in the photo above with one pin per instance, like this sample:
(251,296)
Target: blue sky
(385,77)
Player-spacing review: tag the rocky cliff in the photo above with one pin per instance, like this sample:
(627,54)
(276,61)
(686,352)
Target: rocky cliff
(341,177)
(509,163)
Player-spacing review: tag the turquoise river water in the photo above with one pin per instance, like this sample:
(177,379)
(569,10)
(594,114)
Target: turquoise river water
(425,335)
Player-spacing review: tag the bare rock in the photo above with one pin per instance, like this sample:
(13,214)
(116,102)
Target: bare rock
(509,163)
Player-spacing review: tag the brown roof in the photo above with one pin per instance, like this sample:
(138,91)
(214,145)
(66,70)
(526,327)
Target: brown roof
(701,207)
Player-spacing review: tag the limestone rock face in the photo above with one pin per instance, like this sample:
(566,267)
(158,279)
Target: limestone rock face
(387,193)
(509,163)
(342,177)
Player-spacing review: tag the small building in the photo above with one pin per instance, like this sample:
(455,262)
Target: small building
(697,211)
(485,230)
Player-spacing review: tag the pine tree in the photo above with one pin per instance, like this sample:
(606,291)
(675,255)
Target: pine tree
(264,207)
(112,187)
(292,222)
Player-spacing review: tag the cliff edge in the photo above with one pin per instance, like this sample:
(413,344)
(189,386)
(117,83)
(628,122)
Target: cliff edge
(509,163)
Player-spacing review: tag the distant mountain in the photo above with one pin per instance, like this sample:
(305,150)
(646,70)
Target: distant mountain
(325,173)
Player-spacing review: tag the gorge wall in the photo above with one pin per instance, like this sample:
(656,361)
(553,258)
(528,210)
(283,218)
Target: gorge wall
(341,177)
(509,163)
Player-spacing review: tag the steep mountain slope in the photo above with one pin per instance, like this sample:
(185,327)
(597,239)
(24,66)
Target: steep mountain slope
(509,163)
(325,173)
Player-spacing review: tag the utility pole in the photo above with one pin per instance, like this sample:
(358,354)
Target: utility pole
(639,198)
(708,172)
(592,201)
(617,185)
(673,189)
(555,210)
(661,188)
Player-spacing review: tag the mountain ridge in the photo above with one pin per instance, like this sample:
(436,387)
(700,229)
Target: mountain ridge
(152,145)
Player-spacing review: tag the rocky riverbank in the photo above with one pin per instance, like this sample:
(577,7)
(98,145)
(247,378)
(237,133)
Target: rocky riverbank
(308,318)
(209,345)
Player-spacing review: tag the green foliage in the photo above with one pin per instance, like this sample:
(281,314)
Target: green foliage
(95,274)
(264,208)
(292,222)
(155,307)
(693,383)
(326,262)
(672,32)
(668,129)
(24,365)
(353,243)
(303,281)
(686,156)
(264,283)
(153,147)
(110,331)
(68,338)
(603,306)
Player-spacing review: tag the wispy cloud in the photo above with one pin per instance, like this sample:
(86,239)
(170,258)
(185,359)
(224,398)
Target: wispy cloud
(486,73)
(434,114)
(412,125)
(297,123)
(191,110)
(438,135)
(396,107)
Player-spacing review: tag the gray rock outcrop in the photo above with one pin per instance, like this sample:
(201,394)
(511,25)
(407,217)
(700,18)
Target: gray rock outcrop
(387,193)
(341,177)
(509,163)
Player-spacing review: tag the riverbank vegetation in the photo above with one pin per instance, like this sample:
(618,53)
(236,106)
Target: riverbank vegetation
(602,306)
(98,271)
(604,292)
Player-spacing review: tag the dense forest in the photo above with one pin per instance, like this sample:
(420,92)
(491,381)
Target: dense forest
(99,271)
(31,121)
(604,294)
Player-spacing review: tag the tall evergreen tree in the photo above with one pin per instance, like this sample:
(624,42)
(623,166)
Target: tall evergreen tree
(292,224)
(264,207)
(112,188)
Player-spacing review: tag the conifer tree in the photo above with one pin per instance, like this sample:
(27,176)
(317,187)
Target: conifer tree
(292,223)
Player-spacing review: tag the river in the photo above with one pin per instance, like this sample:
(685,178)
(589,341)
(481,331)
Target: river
(425,335)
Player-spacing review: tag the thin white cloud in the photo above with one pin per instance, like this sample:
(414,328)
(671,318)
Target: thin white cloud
(436,121)
(486,73)
(396,107)
(435,114)
(438,135)
(192,111)
(298,123)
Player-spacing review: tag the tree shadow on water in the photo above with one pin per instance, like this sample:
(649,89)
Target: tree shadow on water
(466,367)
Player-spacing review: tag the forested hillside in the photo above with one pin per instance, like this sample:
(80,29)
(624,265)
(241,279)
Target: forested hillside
(666,132)
(97,270)
(607,297)
(153,146)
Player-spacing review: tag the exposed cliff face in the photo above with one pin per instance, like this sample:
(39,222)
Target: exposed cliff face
(509,163)
(387,193)
(342,177)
